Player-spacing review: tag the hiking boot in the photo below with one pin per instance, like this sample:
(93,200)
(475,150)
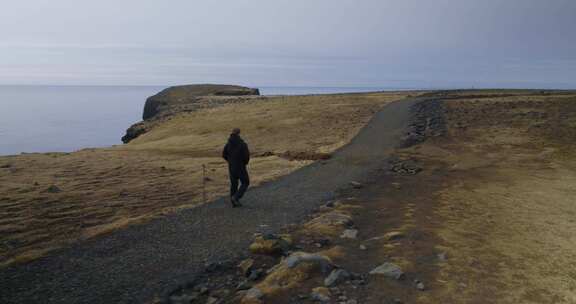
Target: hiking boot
(233,202)
(236,202)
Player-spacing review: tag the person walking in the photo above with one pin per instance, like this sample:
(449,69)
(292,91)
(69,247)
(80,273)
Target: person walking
(237,155)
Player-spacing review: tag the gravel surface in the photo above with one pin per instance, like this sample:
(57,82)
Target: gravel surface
(134,264)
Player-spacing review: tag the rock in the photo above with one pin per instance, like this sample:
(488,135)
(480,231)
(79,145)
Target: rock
(393,235)
(322,243)
(53,189)
(244,285)
(420,286)
(216,266)
(271,244)
(404,167)
(188,93)
(182,299)
(389,270)
(351,301)
(201,289)
(396,185)
(245,267)
(303,257)
(212,300)
(336,277)
(321,294)
(255,274)
(355,185)
(442,256)
(253,296)
(136,130)
(349,234)
(363,247)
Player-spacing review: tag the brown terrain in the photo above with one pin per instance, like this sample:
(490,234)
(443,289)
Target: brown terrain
(482,210)
(49,201)
(478,207)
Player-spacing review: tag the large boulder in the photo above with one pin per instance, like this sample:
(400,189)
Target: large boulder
(186,94)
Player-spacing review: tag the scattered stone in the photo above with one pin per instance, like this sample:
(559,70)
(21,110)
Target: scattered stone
(442,256)
(53,189)
(420,286)
(302,257)
(349,234)
(255,274)
(356,185)
(389,270)
(203,290)
(214,267)
(404,167)
(245,267)
(182,299)
(322,243)
(363,247)
(321,294)
(253,296)
(271,244)
(336,277)
(212,300)
(244,285)
(394,235)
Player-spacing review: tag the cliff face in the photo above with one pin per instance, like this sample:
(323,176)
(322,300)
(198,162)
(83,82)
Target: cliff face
(186,98)
(187,94)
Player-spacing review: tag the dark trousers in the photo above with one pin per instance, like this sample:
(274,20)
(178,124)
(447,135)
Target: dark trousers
(238,174)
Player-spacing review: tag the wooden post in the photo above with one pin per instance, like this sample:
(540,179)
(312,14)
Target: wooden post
(204,183)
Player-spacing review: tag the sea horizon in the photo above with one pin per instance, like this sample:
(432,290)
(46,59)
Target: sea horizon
(66,118)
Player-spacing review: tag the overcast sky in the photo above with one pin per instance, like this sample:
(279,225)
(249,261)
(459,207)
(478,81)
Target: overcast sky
(408,43)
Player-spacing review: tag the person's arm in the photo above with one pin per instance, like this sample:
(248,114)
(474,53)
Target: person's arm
(246,154)
(225,152)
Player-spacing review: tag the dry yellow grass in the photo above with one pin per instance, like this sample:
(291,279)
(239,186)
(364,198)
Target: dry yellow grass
(161,171)
(508,214)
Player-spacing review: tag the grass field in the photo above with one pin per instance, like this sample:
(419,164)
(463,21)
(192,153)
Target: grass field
(160,172)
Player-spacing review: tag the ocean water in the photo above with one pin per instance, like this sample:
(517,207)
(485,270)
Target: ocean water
(70,118)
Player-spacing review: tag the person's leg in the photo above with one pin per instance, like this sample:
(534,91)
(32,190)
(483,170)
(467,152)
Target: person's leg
(233,185)
(245,180)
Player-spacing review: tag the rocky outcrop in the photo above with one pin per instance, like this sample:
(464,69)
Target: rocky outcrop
(186,98)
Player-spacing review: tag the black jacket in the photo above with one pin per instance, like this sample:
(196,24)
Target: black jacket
(236,152)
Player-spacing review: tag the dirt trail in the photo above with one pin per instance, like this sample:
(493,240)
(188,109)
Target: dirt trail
(488,219)
(133,264)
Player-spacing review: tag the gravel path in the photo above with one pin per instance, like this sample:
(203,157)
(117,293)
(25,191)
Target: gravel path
(133,264)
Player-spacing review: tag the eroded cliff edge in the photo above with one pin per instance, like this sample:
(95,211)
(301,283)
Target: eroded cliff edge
(185,98)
